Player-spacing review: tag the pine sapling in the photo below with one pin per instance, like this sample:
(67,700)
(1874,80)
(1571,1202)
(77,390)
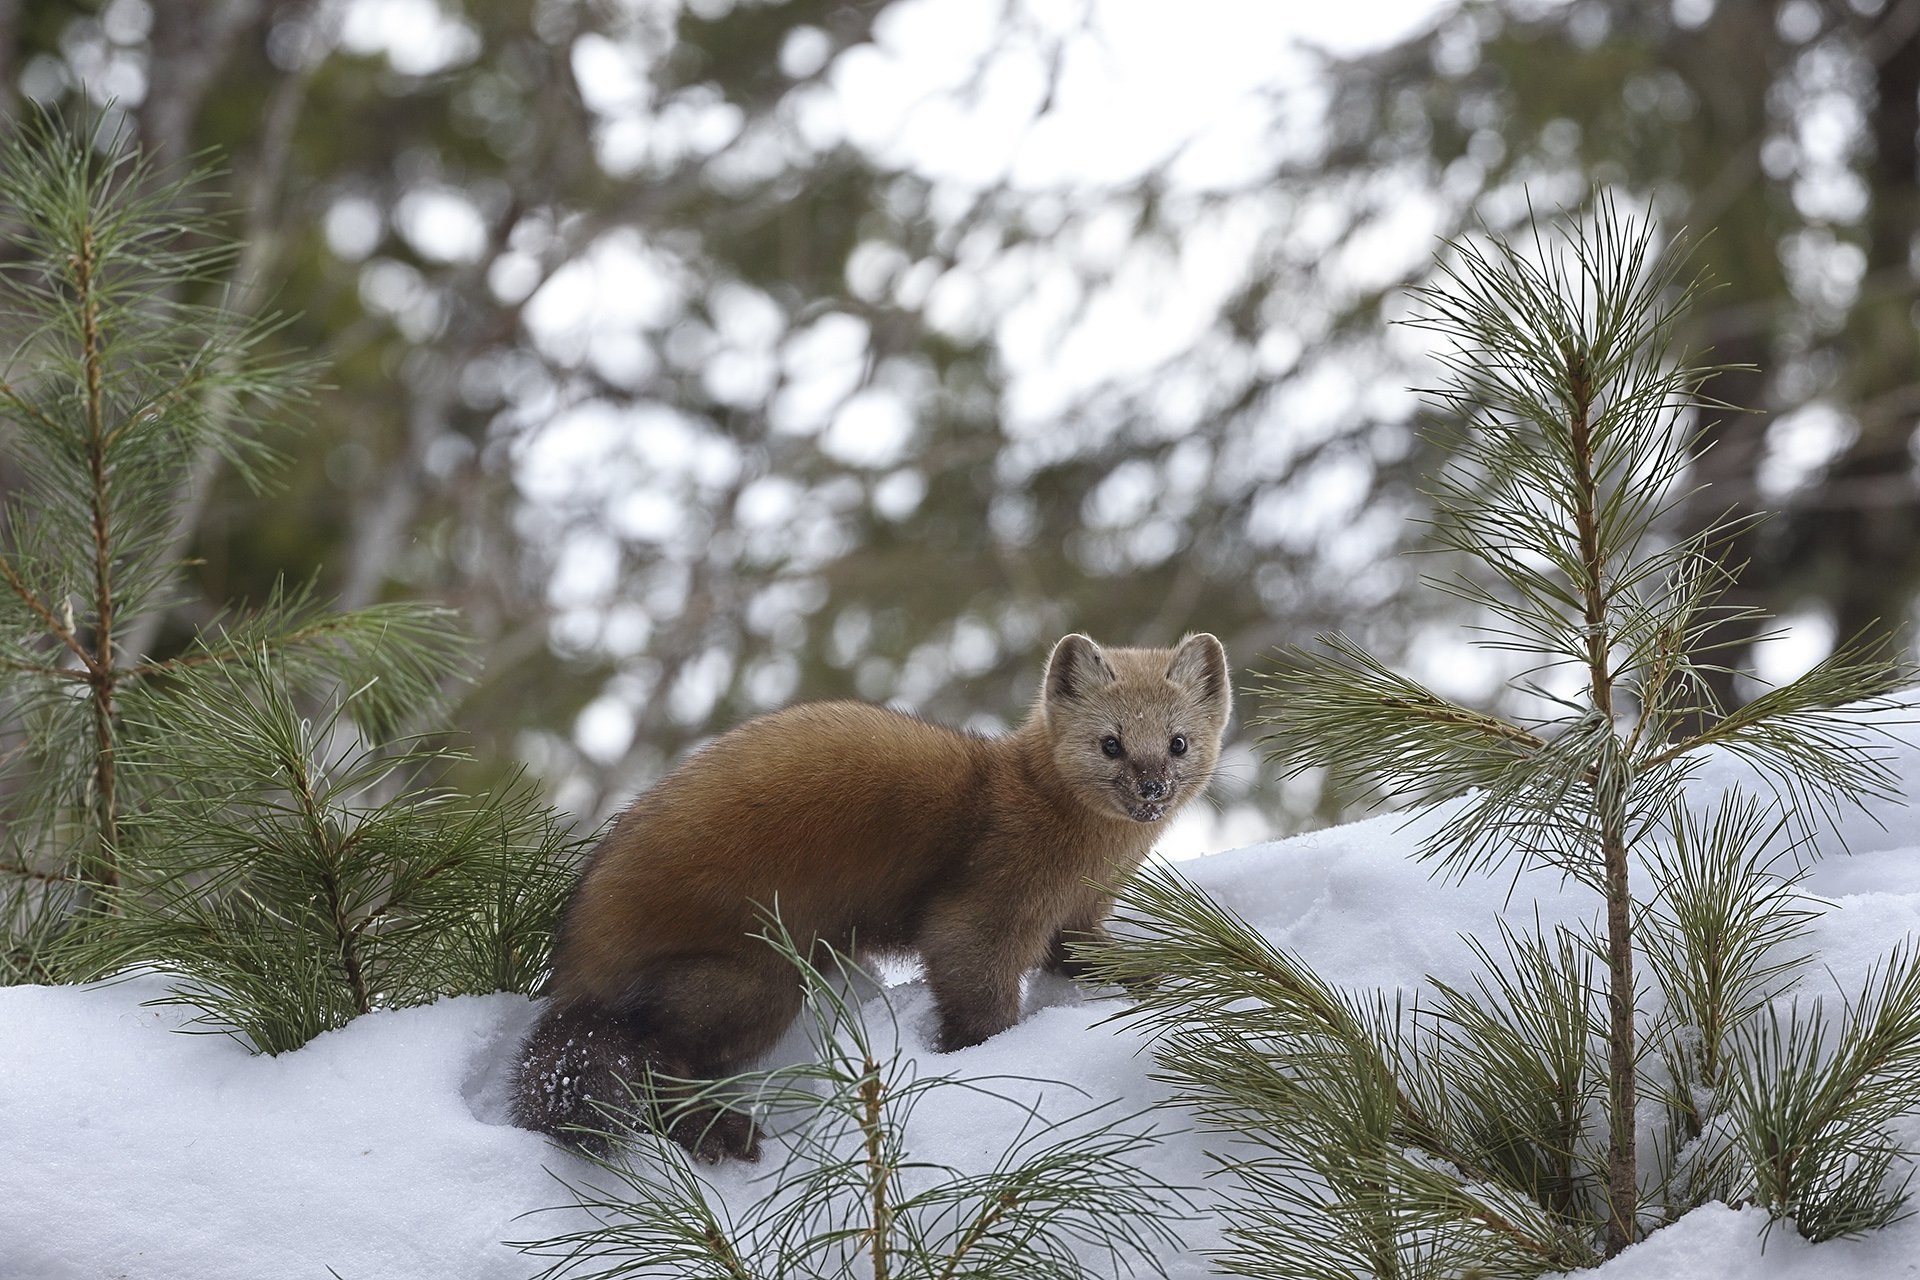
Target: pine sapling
(255,811)
(109,366)
(1576,430)
(294,872)
(1575,449)
(116,377)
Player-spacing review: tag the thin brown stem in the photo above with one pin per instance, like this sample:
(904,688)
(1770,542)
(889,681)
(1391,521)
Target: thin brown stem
(22,405)
(1609,788)
(215,657)
(722,1251)
(100,665)
(1442,712)
(44,671)
(879,1172)
(996,1209)
(332,848)
(25,872)
(61,632)
(349,937)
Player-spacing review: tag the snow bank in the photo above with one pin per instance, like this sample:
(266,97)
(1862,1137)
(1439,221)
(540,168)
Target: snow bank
(381,1150)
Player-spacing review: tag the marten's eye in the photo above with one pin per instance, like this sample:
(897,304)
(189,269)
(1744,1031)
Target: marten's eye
(1110,745)
(1179,744)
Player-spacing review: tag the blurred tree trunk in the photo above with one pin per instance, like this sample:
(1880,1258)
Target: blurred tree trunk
(191,44)
(10,15)
(1859,531)
(1735,57)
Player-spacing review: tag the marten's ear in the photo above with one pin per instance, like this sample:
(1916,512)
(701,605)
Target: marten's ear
(1077,666)
(1200,663)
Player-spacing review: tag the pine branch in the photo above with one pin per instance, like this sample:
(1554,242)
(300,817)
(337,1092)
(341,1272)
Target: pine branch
(40,610)
(1813,1119)
(1409,732)
(296,874)
(1722,933)
(1822,741)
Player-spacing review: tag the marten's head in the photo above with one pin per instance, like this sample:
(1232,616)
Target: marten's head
(1136,732)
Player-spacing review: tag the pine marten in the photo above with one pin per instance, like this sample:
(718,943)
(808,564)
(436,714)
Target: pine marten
(869,828)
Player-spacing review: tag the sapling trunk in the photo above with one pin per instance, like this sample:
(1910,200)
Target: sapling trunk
(1609,795)
(1623,1188)
(104,869)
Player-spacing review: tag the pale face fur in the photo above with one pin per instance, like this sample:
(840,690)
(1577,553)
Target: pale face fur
(1136,732)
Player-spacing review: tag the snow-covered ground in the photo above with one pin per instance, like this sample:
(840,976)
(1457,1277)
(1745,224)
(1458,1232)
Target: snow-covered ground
(380,1150)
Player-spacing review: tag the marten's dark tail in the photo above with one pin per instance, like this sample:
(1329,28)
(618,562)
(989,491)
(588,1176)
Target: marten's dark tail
(587,1073)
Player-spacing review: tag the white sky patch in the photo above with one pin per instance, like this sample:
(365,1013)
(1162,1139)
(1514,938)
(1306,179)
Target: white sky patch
(586,569)
(648,515)
(1124,497)
(1446,660)
(417,37)
(1384,250)
(604,729)
(669,442)
(742,379)
(353,227)
(700,685)
(1799,446)
(513,275)
(1104,128)
(1157,306)
(1823,271)
(974,648)
(823,365)
(441,224)
(617,284)
(768,502)
(745,369)
(1302,516)
(898,495)
(1804,637)
(746,315)
(398,290)
(872,429)
(561,459)
(1140,83)
(622,357)
(613,77)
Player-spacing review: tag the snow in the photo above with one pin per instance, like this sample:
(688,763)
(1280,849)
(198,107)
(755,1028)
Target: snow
(382,1150)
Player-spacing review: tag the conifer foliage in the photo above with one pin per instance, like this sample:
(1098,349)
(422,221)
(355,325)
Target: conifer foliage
(1548,1114)
(258,809)
(296,874)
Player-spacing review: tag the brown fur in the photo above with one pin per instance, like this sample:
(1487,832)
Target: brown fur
(867,827)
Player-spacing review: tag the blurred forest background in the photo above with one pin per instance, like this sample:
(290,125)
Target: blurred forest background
(710,355)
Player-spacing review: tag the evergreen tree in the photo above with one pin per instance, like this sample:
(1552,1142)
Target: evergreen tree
(295,872)
(261,811)
(1497,1127)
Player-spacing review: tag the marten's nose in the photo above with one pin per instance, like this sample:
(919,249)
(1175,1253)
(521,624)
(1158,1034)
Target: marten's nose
(1153,789)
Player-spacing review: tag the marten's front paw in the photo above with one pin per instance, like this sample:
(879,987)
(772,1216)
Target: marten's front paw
(961,1033)
(713,1136)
